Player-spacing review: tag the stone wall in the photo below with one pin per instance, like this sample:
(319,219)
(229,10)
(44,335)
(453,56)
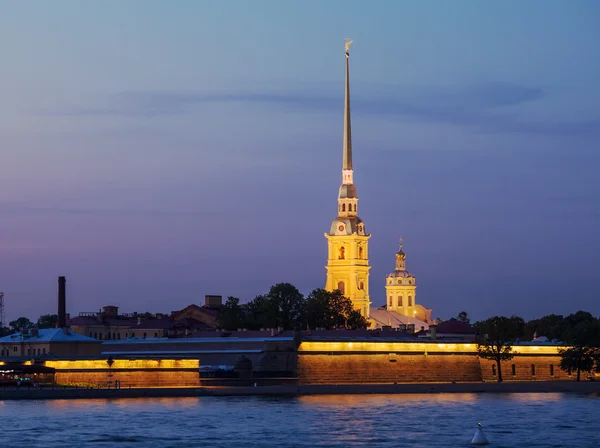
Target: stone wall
(523,370)
(128,378)
(387,368)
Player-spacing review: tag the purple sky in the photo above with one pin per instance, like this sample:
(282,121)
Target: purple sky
(154,152)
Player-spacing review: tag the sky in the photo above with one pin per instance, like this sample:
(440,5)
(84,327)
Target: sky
(154,152)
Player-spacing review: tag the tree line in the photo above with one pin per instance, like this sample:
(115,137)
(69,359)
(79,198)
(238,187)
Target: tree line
(285,307)
(579,332)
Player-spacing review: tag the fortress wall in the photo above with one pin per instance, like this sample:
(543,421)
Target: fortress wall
(387,368)
(523,369)
(130,378)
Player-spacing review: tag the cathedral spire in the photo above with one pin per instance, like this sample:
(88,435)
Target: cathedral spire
(347,158)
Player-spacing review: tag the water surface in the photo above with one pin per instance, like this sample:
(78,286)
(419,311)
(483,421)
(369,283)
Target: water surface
(443,420)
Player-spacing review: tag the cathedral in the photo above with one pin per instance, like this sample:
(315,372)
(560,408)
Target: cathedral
(348,251)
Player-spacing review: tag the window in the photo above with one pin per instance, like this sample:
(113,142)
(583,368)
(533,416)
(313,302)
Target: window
(390,302)
(400,301)
(144,335)
(43,351)
(360,252)
(493,370)
(532,369)
(341,287)
(155,335)
(551,369)
(354,207)
(114,336)
(28,351)
(362,286)
(409,301)
(342,254)
(14,348)
(514,370)
(343,207)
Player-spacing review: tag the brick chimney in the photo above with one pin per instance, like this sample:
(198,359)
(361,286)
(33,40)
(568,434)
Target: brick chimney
(62,303)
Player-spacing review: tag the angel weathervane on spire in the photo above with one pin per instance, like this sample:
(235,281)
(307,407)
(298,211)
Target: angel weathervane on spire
(400,243)
(348,43)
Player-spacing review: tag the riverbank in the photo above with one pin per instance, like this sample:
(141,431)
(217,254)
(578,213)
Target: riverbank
(49,393)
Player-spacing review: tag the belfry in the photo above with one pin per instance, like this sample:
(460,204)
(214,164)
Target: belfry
(348,248)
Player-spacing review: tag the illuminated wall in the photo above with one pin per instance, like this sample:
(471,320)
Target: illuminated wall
(130,372)
(388,362)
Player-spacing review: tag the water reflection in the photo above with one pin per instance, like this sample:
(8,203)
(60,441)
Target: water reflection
(382,421)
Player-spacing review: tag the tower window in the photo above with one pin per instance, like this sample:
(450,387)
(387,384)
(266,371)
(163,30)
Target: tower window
(400,301)
(360,251)
(342,254)
(409,301)
(354,207)
(362,286)
(390,302)
(399,281)
(343,207)
(341,287)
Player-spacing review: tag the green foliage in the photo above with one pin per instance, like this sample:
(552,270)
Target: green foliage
(231,315)
(497,336)
(47,321)
(282,307)
(331,310)
(581,332)
(463,317)
(21,322)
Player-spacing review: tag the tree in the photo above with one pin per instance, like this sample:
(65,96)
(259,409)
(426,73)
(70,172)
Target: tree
(496,338)
(47,321)
(463,317)
(551,326)
(331,310)
(287,305)
(231,315)
(21,322)
(582,334)
(5,331)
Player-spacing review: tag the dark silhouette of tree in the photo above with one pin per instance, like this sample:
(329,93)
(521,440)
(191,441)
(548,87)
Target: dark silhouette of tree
(287,305)
(5,331)
(47,321)
(331,310)
(463,317)
(581,334)
(21,322)
(496,337)
(551,326)
(231,315)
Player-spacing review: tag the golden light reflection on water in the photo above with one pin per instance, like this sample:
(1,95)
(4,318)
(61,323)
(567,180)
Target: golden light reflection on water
(335,401)
(126,403)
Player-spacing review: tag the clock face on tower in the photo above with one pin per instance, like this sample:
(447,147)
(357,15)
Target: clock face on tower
(341,227)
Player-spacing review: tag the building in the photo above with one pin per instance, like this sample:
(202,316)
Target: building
(348,241)
(47,343)
(348,250)
(108,324)
(401,291)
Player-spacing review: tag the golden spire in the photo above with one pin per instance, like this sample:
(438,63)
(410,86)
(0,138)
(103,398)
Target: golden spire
(347,159)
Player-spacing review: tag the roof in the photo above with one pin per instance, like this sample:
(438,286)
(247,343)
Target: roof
(454,326)
(47,335)
(108,321)
(394,318)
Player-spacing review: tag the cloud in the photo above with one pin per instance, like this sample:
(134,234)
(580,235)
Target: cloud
(492,107)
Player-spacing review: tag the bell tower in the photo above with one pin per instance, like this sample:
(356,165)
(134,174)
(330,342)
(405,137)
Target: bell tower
(348,248)
(401,288)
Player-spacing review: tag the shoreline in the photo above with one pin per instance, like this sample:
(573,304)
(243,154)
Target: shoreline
(584,387)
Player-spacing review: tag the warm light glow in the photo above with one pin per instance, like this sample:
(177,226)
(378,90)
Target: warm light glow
(388,347)
(416,347)
(133,364)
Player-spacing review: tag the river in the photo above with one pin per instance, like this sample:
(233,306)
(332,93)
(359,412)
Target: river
(432,420)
